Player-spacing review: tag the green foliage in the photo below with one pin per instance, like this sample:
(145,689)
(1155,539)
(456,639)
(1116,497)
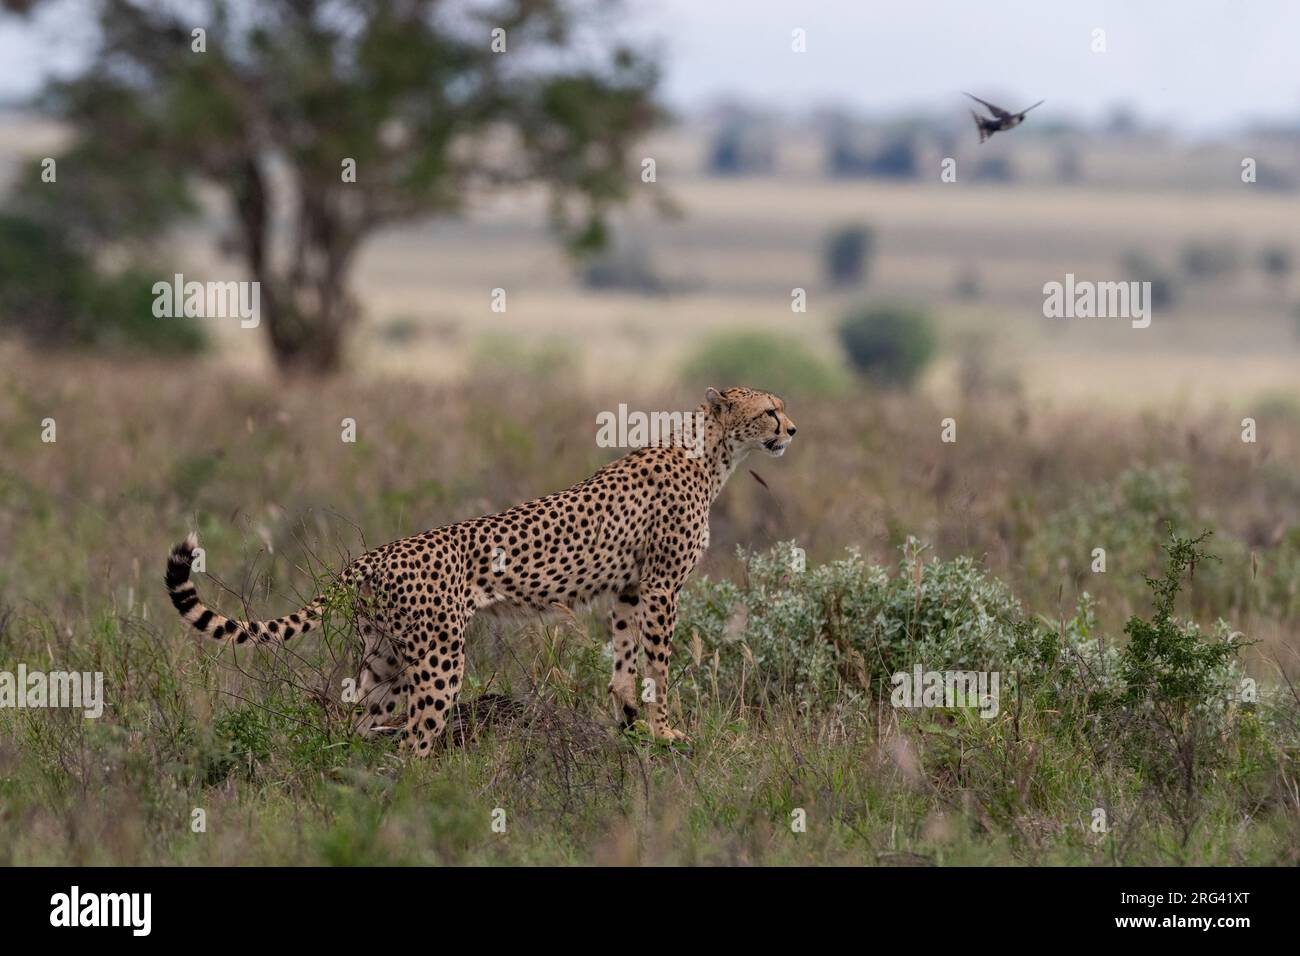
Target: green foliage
(1128,517)
(761,360)
(892,344)
(45,284)
(1156,716)
(1174,712)
(241,738)
(95,203)
(410,94)
(1168,662)
(500,355)
(1125,516)
(51,293)
(260,739)
(846,627)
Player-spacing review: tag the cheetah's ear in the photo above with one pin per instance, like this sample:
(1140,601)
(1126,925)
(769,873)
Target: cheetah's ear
(716,402)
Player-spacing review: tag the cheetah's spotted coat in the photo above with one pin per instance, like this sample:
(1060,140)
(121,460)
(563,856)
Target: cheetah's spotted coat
(635,530)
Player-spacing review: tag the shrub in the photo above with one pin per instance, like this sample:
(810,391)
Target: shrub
(897,159)
(1209,260)
(994,169)
(848,155)
(123,319)
(496,355)
(1129,517)
(52,295)
(847,252)
(1125,517)
(761,360)
(624,267)
(1165,663)
(399,330)
(1140,267)
(1173,711)
(1276,261)
(741,149)
(892,344)
(966,285)
(845,627)
(1160,714)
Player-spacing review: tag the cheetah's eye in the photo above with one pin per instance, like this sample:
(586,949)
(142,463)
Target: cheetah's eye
(772,412)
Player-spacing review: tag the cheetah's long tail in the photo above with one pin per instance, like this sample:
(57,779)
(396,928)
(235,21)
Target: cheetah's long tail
(194,612)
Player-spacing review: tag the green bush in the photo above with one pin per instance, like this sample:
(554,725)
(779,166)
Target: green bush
(123,320)
(848,251)
(892,344)
(52,295)
(845,627)
(1126,517)
(761,360)
(1166,663)
(1175,710)
(499,355)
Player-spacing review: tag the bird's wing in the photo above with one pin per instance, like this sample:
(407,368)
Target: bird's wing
(997,111)
(1028,108)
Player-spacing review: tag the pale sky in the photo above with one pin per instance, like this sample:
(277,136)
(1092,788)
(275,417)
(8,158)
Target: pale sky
(1195,64)
(1200,65)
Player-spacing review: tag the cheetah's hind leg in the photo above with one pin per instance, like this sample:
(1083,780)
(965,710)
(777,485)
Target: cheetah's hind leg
(625,638)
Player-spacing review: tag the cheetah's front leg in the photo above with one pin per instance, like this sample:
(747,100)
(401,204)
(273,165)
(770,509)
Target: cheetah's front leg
(436,664)
(658,620)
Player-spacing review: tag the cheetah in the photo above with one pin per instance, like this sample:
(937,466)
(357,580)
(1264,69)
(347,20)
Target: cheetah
(634,531)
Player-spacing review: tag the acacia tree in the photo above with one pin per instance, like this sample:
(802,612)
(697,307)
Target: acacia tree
(276,102)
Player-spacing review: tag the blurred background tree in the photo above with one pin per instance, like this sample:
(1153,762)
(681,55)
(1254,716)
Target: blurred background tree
(848,254)
(277,99)
(889,343)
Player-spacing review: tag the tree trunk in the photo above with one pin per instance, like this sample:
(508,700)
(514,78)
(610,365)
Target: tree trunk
(307,343)
(307,312)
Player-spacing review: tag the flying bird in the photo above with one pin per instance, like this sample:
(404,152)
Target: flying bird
(1002,120)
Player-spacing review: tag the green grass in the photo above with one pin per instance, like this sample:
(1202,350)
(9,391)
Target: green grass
(258,742)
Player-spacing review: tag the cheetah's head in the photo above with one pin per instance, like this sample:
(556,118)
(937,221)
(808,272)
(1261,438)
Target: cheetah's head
(751,418)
